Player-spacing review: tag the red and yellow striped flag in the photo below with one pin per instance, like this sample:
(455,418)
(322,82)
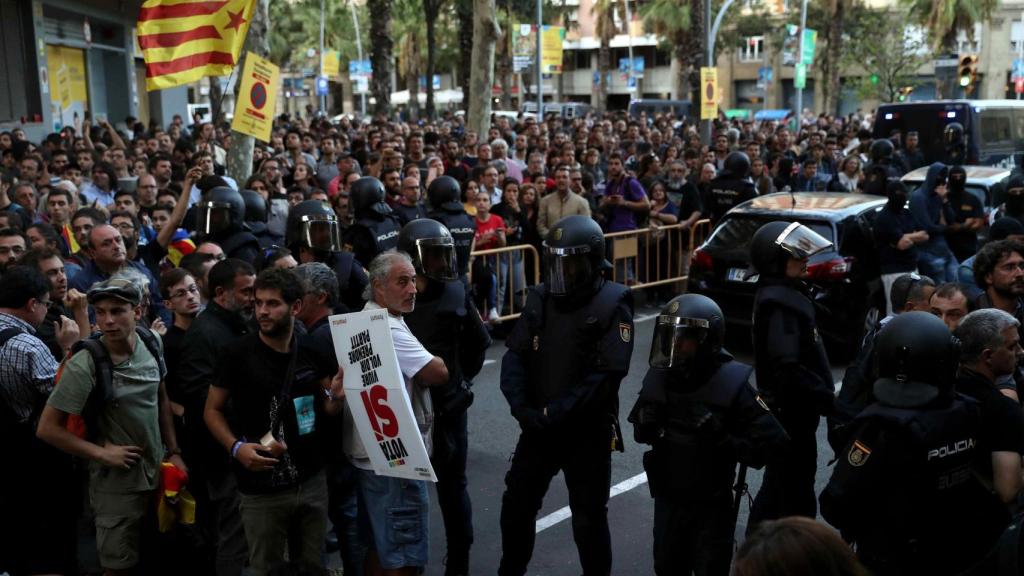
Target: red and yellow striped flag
(184,40)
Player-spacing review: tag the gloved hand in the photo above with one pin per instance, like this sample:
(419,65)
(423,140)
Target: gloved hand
(531,419)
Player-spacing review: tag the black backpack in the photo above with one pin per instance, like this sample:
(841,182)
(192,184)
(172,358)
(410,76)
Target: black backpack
(103,392)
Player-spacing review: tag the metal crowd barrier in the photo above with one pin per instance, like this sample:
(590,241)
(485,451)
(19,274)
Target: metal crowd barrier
(640,258)
(510,265)
(655,256)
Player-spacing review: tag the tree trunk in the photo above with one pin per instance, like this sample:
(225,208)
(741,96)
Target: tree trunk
(689,67)
(604,64)
(485,36)
(464,12)
(431,8)
(833,53)
(381,54)
(239,155)
(412,81)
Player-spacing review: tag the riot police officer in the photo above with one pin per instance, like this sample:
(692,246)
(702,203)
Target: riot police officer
(731,187)
(957,150)
(700,414)
(448,325)
(313,236)
(220,218)
(445,205)
(903,488)
(256,218)
(566,357)
(375,228)
(881,167)
(793,373)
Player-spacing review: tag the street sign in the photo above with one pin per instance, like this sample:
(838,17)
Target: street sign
(331,64)
(638,67)
(321,86)
(800,79)
(945,62)
(357,68)
(708,93)
(765,76)
(810,40)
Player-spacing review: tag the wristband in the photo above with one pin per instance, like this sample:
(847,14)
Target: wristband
(235,447)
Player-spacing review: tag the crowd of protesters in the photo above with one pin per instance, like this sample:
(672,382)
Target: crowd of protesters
(99,232)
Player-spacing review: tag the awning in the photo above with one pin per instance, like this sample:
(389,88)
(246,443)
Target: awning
(737,113)
(772,114)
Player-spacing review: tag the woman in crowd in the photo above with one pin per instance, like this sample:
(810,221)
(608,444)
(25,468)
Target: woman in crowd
(848,178)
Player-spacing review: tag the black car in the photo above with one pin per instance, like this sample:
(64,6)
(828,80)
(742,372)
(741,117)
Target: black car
(846,287)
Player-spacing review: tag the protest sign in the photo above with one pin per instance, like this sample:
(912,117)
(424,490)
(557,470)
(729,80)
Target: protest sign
(376,395)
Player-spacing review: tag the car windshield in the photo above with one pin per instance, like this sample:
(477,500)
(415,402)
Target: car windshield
(736,231)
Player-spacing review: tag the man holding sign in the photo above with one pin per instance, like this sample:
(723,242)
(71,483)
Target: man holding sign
(397,509)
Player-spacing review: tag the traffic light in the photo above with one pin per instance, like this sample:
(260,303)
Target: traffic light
(967,71)
(904,93)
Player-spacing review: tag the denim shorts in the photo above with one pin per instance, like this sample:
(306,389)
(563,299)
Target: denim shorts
(395,513)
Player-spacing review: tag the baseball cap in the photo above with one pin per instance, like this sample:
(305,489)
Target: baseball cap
(115,288)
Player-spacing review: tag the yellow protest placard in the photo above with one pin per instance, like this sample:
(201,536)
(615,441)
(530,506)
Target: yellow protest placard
(708,93)
(257,98)
(331,64)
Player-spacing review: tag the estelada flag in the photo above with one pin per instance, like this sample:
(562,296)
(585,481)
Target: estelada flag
(185,40)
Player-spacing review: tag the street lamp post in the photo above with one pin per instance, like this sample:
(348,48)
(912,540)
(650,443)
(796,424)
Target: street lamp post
(323,97)
(711,33)
(359,51)
(800,62)
(540,72)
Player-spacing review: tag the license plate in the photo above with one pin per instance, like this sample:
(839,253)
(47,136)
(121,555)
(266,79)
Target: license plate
(737,275)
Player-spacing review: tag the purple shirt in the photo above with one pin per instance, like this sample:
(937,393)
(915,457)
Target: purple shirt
(622,218)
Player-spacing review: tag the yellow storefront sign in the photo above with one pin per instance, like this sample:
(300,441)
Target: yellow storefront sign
(257,98)
(331,64)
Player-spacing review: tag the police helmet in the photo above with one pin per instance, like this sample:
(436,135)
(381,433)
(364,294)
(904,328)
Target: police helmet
(881,150)
(255,206)
(431,247)
(573,254)
(313,224)
(367,198)
(444,193)
(953,133)
(776,242)
(737,164)
(220,210)
(690,317)
(917,360)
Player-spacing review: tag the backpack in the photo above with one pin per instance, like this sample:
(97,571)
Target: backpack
(84,426)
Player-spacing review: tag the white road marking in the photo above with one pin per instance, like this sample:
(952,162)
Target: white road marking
(565,513)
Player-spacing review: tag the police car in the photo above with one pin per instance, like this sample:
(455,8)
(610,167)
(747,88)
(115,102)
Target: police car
(847,290)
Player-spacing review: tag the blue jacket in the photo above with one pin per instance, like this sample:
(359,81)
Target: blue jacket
(91,274)
(926,206)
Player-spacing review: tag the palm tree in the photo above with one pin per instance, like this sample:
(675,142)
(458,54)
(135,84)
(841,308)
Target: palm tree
(431,11)
(944,19)
(408,30)
(605,29)
(679,23)
(381,48)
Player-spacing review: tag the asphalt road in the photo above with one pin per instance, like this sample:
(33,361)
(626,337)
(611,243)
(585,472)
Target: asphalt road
(492,437)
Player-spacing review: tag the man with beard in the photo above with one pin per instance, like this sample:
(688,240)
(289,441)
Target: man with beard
(392,181)
(64,304)
(230,284)
(999,271)
(281,393)
(12,246)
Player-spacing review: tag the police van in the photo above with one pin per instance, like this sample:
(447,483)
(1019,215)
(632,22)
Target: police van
(994,129)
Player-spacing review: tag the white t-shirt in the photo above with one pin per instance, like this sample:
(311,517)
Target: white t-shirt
(412,357)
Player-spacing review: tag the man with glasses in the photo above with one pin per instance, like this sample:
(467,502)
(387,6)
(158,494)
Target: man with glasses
(12,246)
(40,494)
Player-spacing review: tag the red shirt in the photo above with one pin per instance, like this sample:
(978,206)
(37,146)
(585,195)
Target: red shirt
(492,224)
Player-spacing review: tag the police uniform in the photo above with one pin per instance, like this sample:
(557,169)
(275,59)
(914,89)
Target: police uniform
(793,373)
(701,416)
(352,278)
(220,218)
(904,489)
(566,357)
(369,236)
(448,325)
(730,188)
(313,226)
(444,196)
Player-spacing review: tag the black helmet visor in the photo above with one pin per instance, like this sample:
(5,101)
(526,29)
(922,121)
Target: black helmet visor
(436,257)
(802,242)
(212,217)
(320,232)
(668,348)
(568,269)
